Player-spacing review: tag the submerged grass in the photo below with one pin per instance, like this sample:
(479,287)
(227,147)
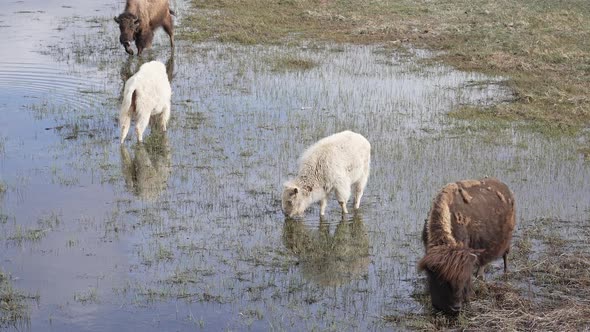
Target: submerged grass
(13,308)
(542,46)
(290,63)
(32,234)
(87,297)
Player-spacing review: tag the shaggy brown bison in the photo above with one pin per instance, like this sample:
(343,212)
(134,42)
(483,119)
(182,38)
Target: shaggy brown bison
(470,224)
(139,21)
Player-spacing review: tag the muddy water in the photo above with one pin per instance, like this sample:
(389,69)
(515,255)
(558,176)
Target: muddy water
(185,232)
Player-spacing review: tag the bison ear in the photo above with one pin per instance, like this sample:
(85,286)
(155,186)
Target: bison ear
(117,19)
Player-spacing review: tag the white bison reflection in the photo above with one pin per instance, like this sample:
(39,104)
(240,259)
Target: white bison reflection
(146,173)
(326,259)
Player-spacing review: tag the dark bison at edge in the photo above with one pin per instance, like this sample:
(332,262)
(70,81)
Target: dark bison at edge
(470,224)
(139,21)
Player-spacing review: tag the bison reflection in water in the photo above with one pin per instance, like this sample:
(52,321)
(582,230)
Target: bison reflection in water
(330,260)
(146,173)
(131,66)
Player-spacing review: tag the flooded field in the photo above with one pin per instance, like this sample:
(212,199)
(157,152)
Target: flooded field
(185,232)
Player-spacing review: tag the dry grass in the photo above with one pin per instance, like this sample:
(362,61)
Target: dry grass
(550,295)
(556,297)
(543,46)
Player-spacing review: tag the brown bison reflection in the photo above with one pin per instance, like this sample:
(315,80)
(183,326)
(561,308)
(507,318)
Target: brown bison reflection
(330,260)
(469,225)
(131,66)
(146,173)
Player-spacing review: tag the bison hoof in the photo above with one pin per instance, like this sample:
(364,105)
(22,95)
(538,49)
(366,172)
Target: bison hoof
(129,50)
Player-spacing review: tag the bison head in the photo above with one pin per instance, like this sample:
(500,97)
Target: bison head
(295,199)
(449,270)
(129,26)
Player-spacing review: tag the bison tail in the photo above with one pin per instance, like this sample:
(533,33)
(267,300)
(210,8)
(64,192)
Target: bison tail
(125,113)
(171,12)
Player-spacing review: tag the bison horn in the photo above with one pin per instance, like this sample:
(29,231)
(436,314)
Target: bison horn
(117,19)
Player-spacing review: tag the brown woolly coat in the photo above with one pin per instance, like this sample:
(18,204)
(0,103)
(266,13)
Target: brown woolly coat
(152,14)
(474,214)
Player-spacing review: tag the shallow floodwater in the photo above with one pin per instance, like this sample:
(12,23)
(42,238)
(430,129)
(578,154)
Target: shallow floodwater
(185,231)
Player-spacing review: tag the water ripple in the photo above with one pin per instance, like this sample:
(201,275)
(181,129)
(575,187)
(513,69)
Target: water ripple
(47,80)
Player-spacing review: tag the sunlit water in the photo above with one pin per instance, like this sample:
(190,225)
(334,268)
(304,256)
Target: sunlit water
(185,232)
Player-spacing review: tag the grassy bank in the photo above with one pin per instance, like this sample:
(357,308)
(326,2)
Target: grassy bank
(543,46)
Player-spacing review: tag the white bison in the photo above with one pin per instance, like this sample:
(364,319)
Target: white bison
(336,163)
(146,93)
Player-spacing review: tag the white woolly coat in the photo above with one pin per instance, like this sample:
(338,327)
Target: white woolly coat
(334,163)
(146,93)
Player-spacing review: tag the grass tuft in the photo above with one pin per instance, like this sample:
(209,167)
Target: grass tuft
(291,63)
(14,310)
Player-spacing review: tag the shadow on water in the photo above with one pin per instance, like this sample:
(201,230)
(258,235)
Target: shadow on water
(146,173)
(131,65)
(330,259)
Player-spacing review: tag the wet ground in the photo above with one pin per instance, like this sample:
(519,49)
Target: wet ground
(185,231)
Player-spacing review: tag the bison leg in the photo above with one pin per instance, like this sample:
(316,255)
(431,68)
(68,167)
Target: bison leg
(359,189)
(144,40)
(342,195)
(164,117)
(343,206)
(143,120)
(125,124)
(480,274)
(323,204)
(504,258)
(139,44)
(169,28)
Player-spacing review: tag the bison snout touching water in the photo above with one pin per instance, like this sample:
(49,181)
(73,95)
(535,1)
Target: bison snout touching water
(139,21)
(334,163)
(470,224)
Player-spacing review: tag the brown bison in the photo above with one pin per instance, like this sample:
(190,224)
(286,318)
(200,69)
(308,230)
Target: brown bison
(470,224)
(139,21)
